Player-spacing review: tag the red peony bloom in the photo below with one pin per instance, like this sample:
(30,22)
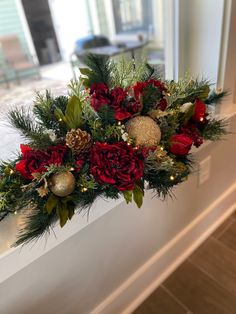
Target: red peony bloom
(118,96)
(199,111)
(180,144)
(35,161)
(116,164)
(99,95)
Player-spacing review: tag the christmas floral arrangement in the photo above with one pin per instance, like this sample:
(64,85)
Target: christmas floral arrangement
(120,131)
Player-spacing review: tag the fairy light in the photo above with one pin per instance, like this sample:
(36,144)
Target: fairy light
(84,189)
(72,169)
(119,122)
(15,212)
(161,148)
(172,178)
(11,171)
(201,119)
(60,120)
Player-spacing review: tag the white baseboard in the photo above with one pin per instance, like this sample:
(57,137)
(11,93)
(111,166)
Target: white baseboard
(128,296)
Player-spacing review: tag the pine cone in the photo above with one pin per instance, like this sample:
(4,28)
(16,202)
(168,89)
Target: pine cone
(79,141)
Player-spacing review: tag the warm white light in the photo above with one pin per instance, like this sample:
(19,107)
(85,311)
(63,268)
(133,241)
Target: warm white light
(172,178)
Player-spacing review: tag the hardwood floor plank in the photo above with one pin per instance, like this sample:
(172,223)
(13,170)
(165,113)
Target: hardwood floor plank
(229,237)
(160,302)
(223,227)
(200,293)
(218,261)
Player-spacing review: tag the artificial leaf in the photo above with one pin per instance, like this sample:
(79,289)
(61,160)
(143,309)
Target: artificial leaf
(128,196)
(73,113)
(51,203)
(138,195)
(63,213)
(85,71)
(188,114)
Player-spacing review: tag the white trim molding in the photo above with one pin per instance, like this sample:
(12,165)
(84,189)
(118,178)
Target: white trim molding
(26,29)
(131,293)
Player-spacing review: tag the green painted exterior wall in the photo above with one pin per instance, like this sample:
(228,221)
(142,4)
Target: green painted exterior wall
(10,24)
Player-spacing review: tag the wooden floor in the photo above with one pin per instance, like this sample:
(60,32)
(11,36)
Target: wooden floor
(205,283)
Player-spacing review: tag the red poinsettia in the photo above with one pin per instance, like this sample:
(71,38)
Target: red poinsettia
(139,90)
(199,111)
(116,164)
(180,144)
(35,161)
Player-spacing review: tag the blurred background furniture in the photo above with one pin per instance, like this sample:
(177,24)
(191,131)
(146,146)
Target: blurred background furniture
(100,45)
(15,58)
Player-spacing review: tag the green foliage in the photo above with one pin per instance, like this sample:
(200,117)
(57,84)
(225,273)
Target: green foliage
(72,118)
(106,114)
(64,207)
(168,124)
(99,70)
(29,129)
(151,95)
(214,130)
(216,97)
(186,90)
(37,224)
(136,194)
(125,73)
(43,110)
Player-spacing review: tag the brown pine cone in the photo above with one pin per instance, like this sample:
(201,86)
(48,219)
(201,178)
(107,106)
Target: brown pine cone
(78,141)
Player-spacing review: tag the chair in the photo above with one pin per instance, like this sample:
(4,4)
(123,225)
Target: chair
(15,58)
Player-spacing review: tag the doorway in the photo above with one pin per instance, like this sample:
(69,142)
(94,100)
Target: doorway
(42,30)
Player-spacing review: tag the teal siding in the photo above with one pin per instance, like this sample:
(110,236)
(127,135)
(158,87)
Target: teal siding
(10,23)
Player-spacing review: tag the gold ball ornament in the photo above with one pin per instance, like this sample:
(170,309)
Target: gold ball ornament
(144,131)
(62,184)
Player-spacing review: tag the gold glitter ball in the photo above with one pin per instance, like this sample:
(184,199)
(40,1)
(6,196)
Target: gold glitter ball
(62,184)
(144,131)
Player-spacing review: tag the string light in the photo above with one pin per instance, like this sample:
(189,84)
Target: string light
(172,178)
(72,169)
(201,119)
(84,190)
(11,171)
(15,212)
(161,148)
(119,123)
(60,120)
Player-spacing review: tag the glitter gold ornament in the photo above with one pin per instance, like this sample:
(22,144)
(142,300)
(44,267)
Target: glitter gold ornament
(144,131)
(79,141)
(62,184)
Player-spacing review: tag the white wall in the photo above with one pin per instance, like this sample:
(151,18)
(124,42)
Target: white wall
(200,37)
(79,273)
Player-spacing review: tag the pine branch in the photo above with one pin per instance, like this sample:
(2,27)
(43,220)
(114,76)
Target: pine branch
(216,98)
(30,130)
(214,130)
(100,69)
(44,107)
(37,224)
